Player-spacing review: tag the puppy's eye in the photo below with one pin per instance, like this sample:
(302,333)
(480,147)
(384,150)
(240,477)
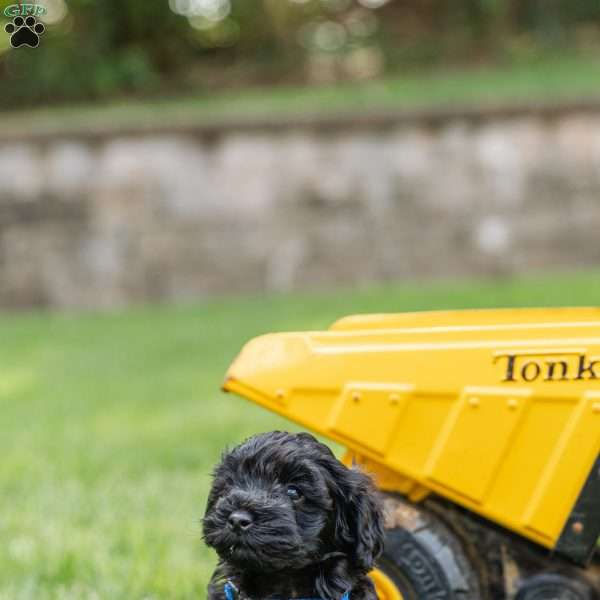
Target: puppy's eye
(294,493)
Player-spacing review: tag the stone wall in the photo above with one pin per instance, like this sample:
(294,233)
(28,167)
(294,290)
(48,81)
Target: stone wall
(101,219)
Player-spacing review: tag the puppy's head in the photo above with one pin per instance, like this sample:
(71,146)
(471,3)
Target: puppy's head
(282,500)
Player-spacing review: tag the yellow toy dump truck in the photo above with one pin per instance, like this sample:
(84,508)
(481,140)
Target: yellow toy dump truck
(482,429)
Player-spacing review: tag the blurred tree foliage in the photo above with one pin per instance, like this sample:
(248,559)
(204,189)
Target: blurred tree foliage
(99,49)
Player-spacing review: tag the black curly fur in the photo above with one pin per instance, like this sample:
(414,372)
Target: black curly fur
(318,546)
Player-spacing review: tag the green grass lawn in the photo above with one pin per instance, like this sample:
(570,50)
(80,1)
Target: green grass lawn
(110,425)
(551,78)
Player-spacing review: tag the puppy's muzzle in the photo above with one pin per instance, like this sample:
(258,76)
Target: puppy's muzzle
(240,520)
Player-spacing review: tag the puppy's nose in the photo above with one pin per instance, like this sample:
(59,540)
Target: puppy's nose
(240,520)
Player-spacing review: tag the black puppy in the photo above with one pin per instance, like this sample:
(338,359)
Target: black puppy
(288,520)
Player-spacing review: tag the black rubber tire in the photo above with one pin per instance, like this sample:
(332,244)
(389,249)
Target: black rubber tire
(424,557)
(550,586)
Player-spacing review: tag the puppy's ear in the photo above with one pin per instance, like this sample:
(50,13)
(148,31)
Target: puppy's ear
(358,517)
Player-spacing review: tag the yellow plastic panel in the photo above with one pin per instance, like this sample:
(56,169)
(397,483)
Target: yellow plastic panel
(568,468)
(474,440)
(352,416)
(417,433)
(498,411)
(524,464)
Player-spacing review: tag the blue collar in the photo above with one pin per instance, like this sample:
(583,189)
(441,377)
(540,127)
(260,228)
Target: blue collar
(231,593)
